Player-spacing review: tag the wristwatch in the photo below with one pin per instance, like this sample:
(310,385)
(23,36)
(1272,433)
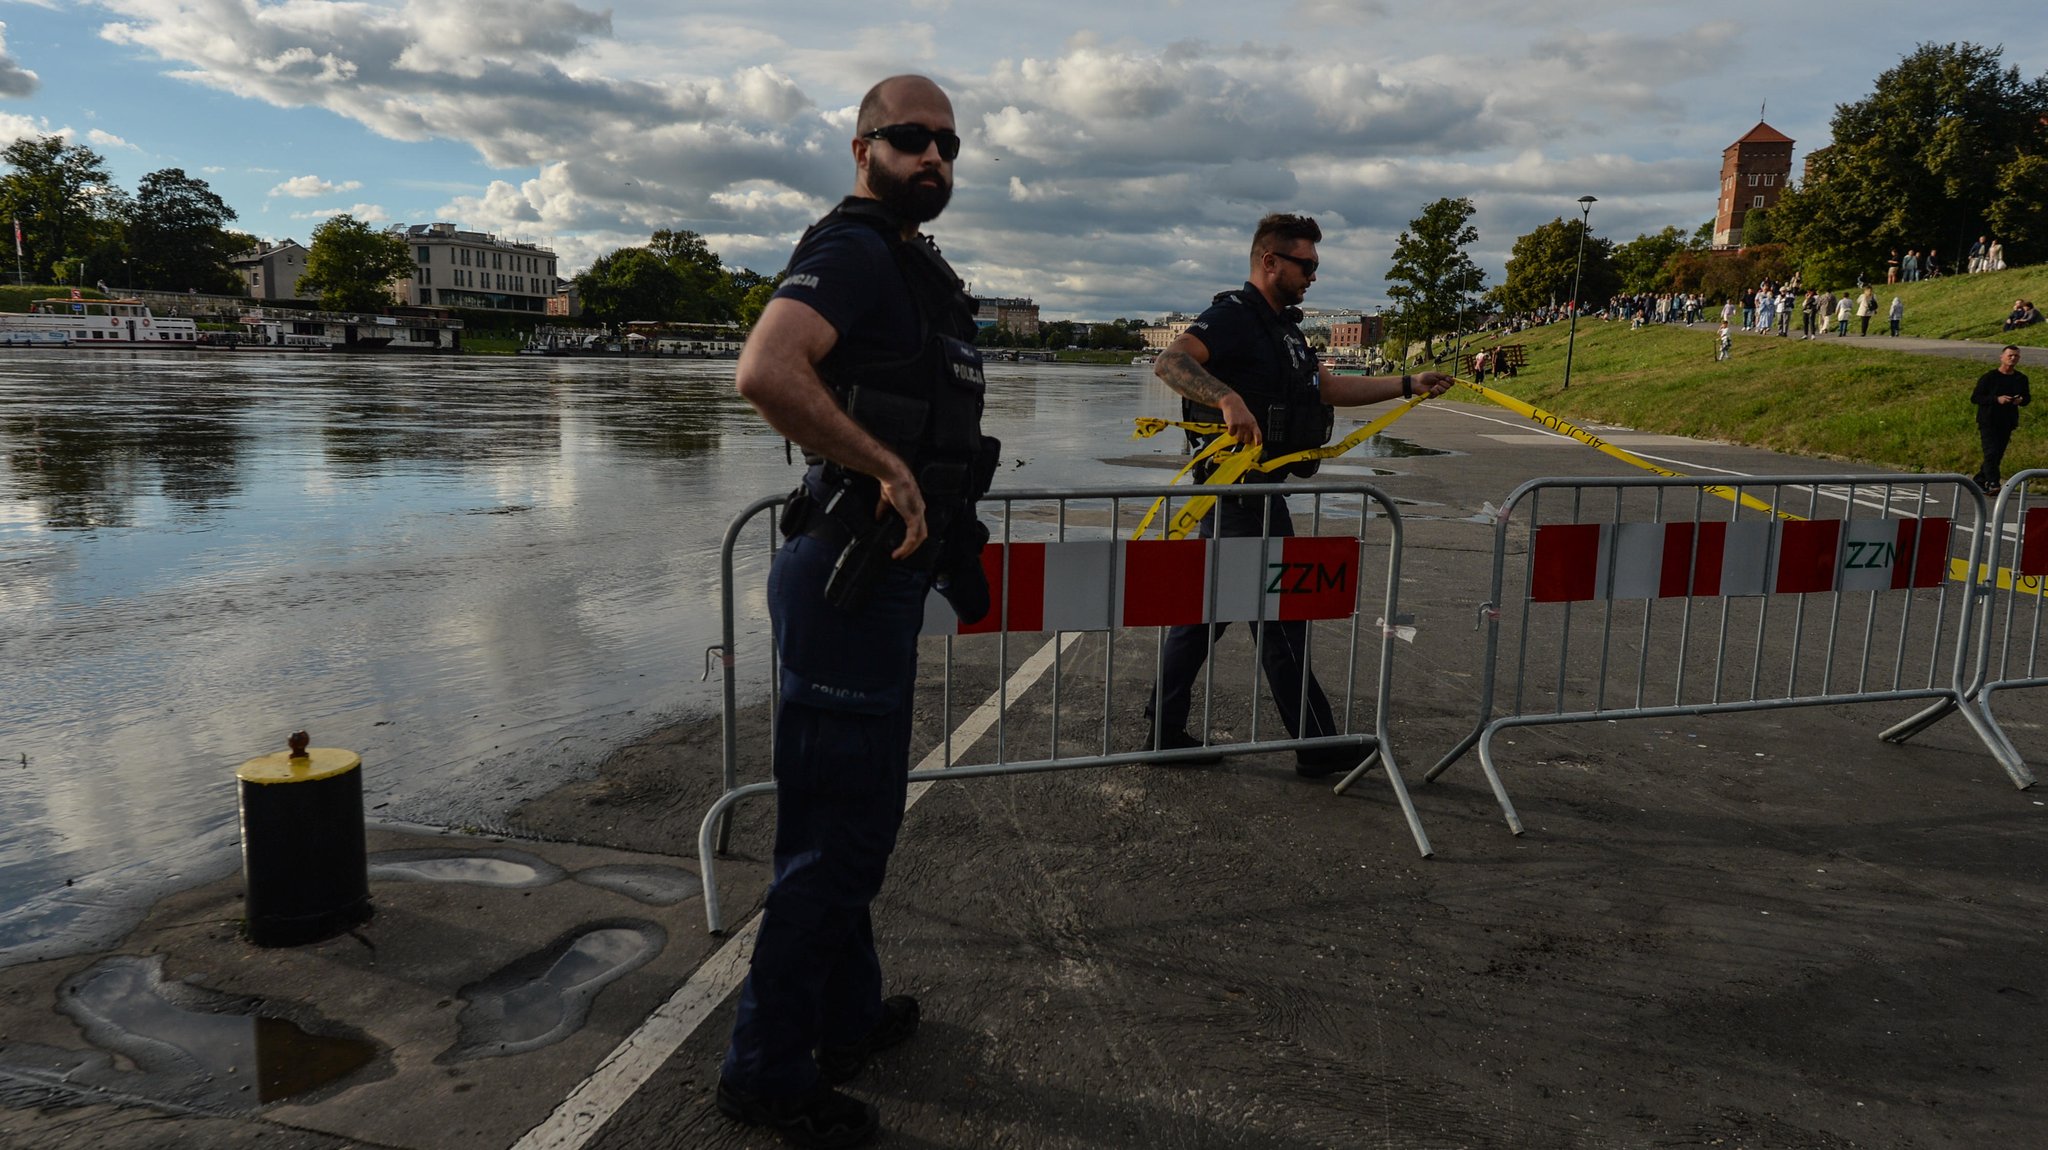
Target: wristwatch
(1407,387)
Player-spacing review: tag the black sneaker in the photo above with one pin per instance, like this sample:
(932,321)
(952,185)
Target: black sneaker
(1321,762)
(837,1064)
(1174,740)
(823,1119)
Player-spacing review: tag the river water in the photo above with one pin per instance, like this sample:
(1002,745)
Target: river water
(479,573)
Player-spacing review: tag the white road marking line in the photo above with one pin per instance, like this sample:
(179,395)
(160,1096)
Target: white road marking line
(1530,435)
(628,1067)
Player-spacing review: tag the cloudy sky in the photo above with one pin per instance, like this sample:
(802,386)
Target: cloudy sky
(1116,155)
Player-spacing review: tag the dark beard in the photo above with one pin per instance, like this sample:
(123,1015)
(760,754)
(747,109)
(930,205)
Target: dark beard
(909,200)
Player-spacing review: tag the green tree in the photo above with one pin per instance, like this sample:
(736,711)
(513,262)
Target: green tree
(1915,164)
(633,284)
(1726,275)
(1123,335)
(54,192)
(178,237)
(1542,265)
(1433,279)
(1641,262)
(351,265)
(756,299)
(1684,270)
(2019,216)
(1758,227)
(707,291)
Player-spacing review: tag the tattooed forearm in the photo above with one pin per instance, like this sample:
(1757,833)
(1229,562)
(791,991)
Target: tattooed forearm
(1179,371)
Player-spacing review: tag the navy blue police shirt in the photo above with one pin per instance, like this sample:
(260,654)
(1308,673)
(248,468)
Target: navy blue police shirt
(1238,341)
(848,275)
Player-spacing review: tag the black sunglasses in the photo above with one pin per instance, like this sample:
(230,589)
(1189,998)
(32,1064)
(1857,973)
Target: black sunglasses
(913,139)
(1308,267)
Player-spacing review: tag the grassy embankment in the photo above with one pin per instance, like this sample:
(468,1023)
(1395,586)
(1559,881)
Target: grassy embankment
(1968,307)
(1848,400)
(18,298)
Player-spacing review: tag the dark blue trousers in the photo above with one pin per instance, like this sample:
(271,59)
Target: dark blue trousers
(842,751)
(1993,440)
(1283,653)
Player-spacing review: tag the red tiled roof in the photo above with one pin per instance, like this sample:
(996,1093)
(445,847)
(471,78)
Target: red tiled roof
(1764,134)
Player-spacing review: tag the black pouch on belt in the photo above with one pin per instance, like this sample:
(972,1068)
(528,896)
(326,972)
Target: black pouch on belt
(797,511)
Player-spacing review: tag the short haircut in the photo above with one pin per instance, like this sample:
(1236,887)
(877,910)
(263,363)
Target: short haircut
(874,110)
(1282,228)
(2008,347)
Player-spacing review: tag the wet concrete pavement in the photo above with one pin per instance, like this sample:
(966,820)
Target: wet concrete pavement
(1763,930)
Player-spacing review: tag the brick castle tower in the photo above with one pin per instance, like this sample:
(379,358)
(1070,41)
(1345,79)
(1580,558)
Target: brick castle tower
(1753,174)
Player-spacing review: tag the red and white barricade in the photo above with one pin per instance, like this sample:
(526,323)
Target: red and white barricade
(1627,598)
(1107,585)
(2009,622)
(1093,605)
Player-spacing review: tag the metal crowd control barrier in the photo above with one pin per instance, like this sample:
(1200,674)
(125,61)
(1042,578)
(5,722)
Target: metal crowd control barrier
(1657,598)
(2008,622)
(1061,563)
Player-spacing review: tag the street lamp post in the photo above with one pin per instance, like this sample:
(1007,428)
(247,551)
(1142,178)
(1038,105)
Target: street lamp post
(1585,214)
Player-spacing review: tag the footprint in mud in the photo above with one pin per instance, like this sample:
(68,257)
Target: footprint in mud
(651,883)
(499,868)
(545,997)
(189,1046)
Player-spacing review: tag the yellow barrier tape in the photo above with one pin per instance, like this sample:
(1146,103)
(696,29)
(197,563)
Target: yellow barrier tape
(1565,427)
(1230,470)
(1958,569)
(1233,466)
(2034,585)
(1213,447)
(1332,451)
(1149,426)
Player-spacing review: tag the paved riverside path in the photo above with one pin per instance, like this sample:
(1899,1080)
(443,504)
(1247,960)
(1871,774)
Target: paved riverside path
(1762,930)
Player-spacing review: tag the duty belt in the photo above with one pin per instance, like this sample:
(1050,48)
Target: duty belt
(807,517)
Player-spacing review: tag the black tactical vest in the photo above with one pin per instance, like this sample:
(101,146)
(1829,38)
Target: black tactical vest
(926,406)
(1282,389)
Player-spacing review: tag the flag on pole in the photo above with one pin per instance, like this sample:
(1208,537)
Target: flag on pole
(17,237)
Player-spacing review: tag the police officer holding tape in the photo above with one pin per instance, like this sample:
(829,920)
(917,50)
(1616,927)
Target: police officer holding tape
(1244,364)
(863,358)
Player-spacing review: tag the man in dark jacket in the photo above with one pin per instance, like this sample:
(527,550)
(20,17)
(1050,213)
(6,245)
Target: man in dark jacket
(869,324)
(1241,362)
(1999,396)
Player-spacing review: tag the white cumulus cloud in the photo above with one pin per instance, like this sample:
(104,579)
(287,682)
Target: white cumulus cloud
(313,187)
(367,213)
(15,80)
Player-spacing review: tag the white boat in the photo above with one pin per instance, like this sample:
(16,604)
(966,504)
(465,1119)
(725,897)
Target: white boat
(275,330)
(79,322)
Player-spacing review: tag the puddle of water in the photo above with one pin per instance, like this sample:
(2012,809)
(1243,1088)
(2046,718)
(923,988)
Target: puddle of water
(189,1047)
(1391,447)
(650,883)
(496,868)
(545,997)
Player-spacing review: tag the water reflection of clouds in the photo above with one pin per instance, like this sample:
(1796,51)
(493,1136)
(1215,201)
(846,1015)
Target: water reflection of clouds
(368,582)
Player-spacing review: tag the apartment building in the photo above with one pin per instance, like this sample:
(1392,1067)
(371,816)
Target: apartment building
(1019,316)
(476,270)
(271,271)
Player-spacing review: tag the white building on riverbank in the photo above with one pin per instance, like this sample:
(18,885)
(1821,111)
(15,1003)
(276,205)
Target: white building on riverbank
(476,270)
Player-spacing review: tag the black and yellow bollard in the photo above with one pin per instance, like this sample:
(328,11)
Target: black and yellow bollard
(303,860)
